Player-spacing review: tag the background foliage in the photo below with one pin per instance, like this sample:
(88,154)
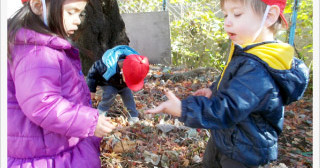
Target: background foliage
(303,33)
(197,36)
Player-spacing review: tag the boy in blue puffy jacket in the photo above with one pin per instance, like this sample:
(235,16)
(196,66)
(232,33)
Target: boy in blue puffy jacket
(119,71)
(244,108)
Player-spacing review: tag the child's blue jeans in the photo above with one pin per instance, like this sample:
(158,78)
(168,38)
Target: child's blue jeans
(110,93)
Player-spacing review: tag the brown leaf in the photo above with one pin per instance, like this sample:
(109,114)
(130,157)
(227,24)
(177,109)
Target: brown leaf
(186,162)
(124,146)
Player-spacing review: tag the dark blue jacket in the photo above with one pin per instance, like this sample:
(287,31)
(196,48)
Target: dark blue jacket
(246,110)
(95,77)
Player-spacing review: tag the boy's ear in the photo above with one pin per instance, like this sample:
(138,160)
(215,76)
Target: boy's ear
(273,15)
(36,6)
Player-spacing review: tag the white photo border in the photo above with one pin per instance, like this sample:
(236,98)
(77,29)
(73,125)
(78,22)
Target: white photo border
(3,83)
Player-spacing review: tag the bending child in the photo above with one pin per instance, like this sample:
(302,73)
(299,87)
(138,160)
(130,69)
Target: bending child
(119,71)
(50,121)
(244,108)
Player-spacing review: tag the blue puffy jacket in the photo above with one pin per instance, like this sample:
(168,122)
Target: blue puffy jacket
(246,110)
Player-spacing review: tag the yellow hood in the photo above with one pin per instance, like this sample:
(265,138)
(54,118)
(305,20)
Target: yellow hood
(276,55)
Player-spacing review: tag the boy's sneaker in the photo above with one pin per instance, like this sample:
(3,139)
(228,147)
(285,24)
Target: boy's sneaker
(133,120)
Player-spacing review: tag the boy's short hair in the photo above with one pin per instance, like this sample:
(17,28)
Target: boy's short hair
(259,6)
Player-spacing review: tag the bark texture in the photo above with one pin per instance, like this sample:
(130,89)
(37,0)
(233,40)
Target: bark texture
(101,28)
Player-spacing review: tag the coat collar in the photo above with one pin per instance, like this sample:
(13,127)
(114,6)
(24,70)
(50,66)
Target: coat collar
(27,36)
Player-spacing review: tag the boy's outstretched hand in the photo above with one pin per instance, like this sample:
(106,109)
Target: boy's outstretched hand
(172,106)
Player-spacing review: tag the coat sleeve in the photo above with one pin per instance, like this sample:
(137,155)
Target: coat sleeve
(232,103)
(92,77)
(213,86)
(38,87)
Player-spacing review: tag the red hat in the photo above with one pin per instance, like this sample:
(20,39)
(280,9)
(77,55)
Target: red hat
(135,69)
(23,1)
(281,4)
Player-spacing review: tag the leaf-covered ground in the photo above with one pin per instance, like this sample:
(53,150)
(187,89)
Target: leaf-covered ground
(162,141)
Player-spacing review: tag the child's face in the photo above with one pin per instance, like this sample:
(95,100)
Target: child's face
(241,23)
(71,14)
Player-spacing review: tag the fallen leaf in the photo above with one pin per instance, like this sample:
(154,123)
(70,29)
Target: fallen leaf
(124,146)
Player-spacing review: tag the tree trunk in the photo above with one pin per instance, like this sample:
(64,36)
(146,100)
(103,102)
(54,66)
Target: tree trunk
(101,28)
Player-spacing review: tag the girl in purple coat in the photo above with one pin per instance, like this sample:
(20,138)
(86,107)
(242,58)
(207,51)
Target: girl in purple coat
(50,121)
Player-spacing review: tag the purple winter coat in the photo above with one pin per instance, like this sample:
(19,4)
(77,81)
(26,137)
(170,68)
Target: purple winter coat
(50,121)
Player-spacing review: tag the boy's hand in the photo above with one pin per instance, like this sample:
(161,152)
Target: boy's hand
(104,126)
(172,106)
(203,92)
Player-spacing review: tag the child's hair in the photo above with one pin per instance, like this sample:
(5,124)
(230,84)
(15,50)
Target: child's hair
(25,18)
(258,7)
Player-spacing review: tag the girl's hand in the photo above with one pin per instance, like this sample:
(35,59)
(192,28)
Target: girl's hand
(93,95)
(172,106)
(203,92)
(104,126)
